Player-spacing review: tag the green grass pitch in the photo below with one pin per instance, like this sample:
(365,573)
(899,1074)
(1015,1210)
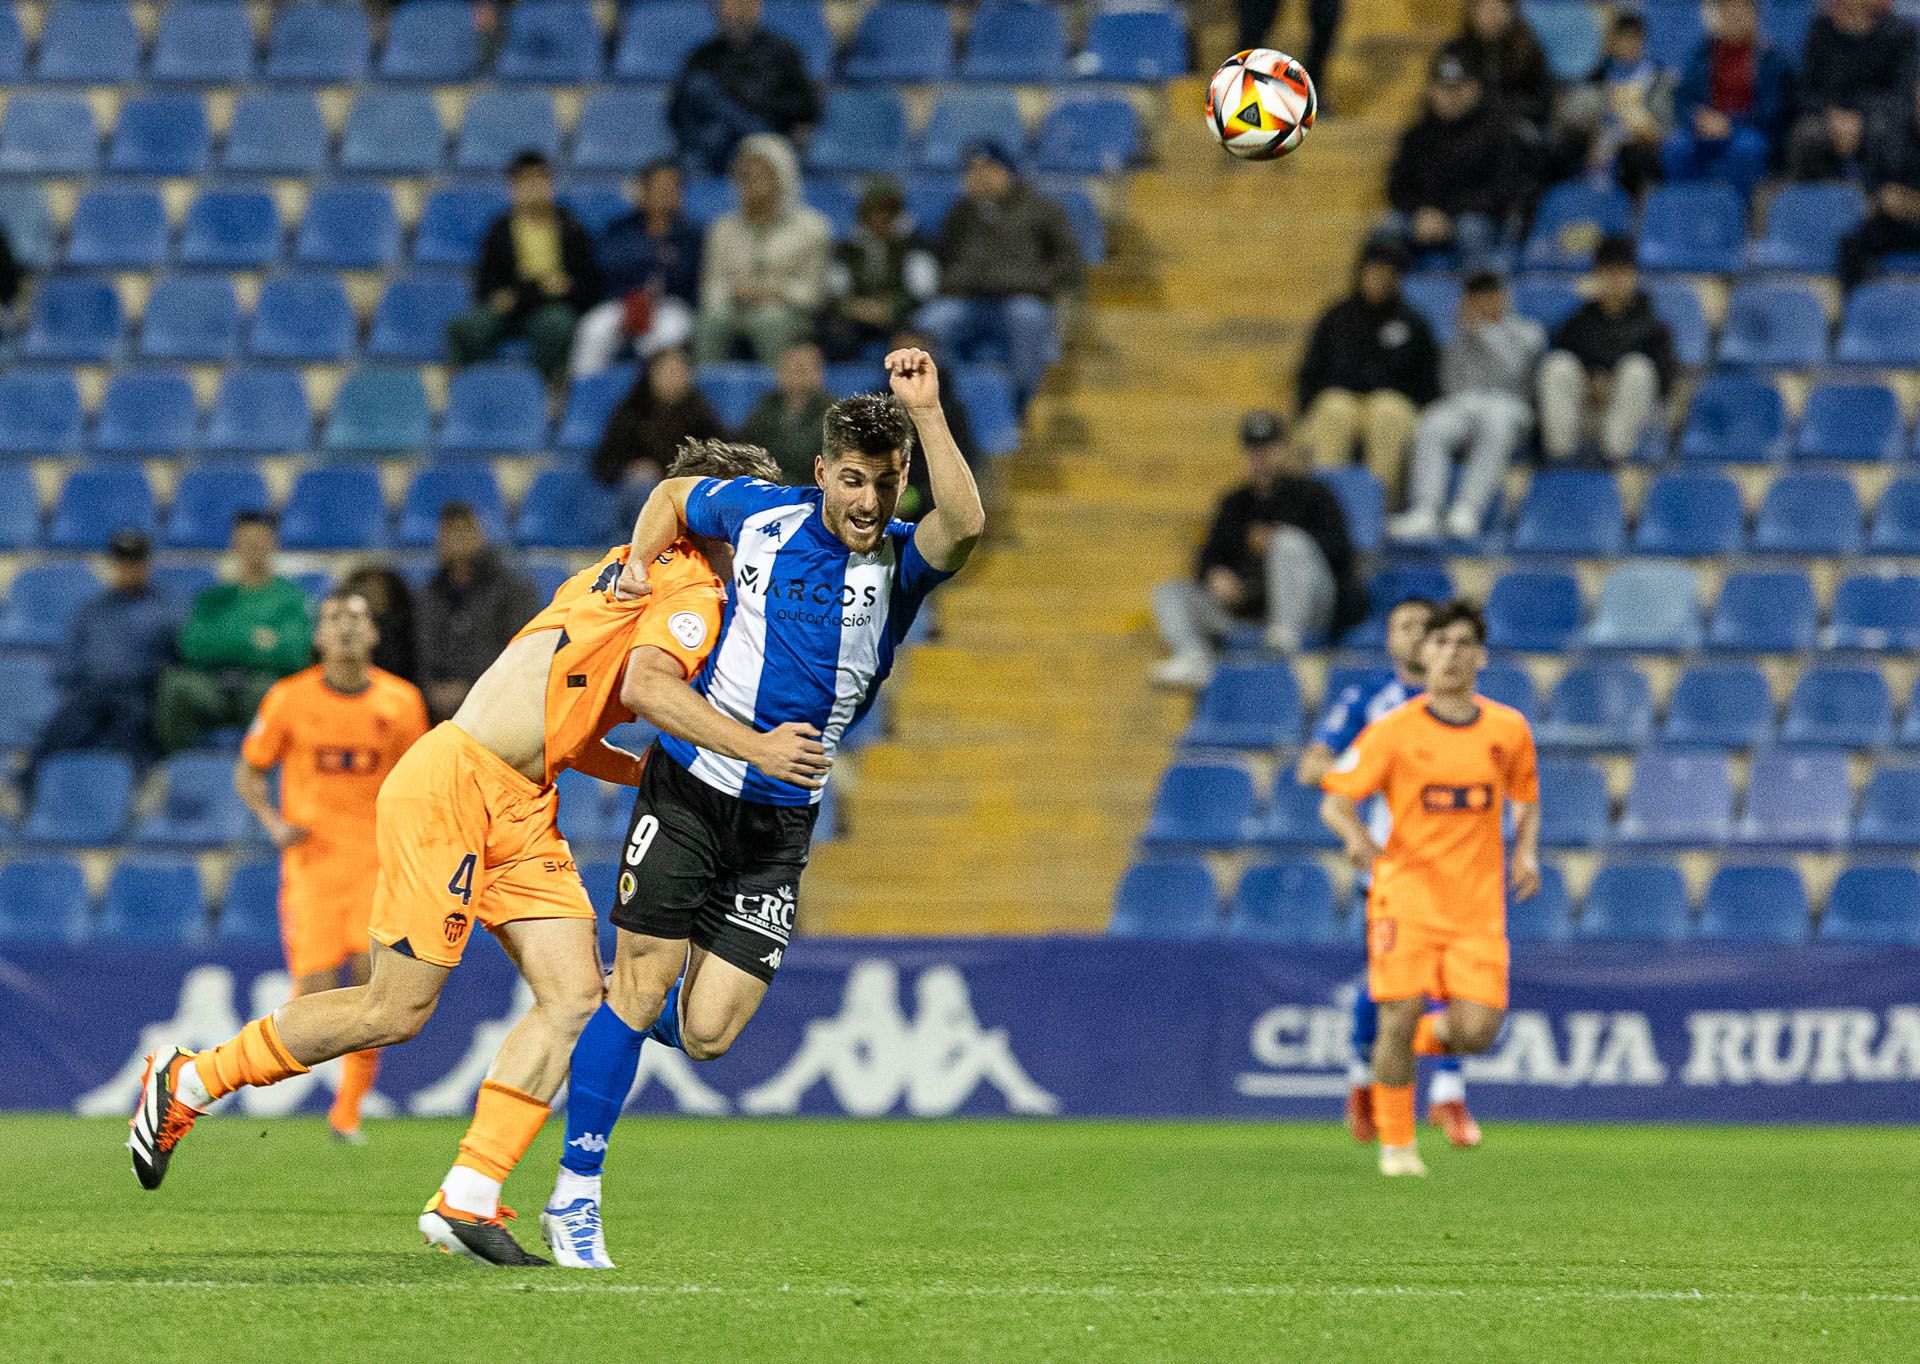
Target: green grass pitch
(745,1240)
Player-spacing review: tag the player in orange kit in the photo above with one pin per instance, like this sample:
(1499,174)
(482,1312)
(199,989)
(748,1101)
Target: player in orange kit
(466,833)
(335,731)
(1447,764)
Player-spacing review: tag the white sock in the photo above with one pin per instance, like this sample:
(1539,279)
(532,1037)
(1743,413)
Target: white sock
(572,1186)
(1447,1087)
(190,1089)
(469,1191)
(1359,1073)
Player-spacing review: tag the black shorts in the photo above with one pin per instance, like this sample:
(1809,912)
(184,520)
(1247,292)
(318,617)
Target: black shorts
(710,867)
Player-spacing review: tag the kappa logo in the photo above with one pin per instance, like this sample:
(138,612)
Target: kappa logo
(773,530)
(773,958)
(456,927)
(590,1141)
(688,628)
(769,915)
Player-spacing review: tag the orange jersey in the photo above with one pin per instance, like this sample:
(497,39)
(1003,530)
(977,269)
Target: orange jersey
(1446,787)
(600,632)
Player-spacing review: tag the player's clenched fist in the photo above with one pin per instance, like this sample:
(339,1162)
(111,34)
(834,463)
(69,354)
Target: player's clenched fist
(793,753)
(915,381)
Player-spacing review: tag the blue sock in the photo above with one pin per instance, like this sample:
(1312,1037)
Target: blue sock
(1366,1025)
(1446,1063)
(605,1060)
(666,1028)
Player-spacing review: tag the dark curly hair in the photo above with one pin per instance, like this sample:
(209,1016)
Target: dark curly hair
(723,459)
(870,424)
(1455,611)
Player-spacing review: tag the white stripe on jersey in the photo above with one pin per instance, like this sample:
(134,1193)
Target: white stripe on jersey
(860,649)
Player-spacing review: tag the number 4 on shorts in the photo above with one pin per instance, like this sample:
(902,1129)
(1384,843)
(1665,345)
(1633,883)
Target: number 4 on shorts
(462,882)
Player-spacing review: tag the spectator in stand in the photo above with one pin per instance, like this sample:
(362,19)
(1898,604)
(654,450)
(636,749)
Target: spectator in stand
(1730,109)
(1613,358)
(880,274)
(1893,197)
(240,638)
(390,601)
(650,269)
(1458,174)
(659,414)
(1323,26)
(1007,254)
(1614,122)
(1498,46)
(917,500)
(787,423)
(1856,71)
(470,608)
(764,271)
(743,80)
(1278,553)
(536,276)
(1487,377)
(1370,366)
(107,673)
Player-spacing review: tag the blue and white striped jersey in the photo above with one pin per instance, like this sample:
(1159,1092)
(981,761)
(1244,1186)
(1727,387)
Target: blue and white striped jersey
(810,627)
(1358,706)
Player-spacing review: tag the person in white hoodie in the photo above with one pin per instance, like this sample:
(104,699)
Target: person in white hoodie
(764,272)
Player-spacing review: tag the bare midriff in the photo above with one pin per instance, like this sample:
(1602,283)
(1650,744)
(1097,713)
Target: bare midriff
(506,710)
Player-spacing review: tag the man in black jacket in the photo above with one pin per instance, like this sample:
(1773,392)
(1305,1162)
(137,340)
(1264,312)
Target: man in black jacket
(1855,74)
(743,80)
(1369,368)
(1278,552)
(537,274)
(1893,198)
(1459,173)
(1613,357)
(468,611)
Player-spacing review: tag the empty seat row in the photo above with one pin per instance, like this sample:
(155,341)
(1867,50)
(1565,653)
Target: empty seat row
(1735,419)
(149,901)
(1798,233)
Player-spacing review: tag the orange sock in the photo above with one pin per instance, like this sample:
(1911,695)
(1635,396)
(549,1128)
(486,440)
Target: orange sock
(1393,1114)
(505,1122)
(1426,1042)
(357,1070)
(256,1057)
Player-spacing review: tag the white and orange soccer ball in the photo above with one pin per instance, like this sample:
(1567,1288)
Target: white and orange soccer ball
(1260,104)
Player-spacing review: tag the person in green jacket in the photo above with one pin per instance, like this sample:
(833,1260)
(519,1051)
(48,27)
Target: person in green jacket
(241,638)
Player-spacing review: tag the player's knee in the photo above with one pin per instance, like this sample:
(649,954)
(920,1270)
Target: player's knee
(393,1021)
(1472,1036)
(569,1008)
(706,1039)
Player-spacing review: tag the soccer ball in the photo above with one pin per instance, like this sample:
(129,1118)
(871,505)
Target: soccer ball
(1260,104)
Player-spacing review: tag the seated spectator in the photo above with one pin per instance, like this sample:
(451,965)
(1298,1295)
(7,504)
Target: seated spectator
(1485,409)
(880,274)
(743,80)
(536,276)
(1613,358)
(390,601)
(1614,122)
(764,271)
(1277,553)
(917,500)
(1457,175)
(469,610)
(650,269)
(1857,69)
(108,671)
(1893,198)
(240,638)
(1730,109)
(1007,253)
(1500,49)
(659,414)
(787,423)
(1369,367)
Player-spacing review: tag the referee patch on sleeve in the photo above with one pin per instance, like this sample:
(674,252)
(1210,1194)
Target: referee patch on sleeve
(689,628)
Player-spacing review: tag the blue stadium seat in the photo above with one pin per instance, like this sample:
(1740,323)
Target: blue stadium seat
(593,813)
(338,506)
(81,800)
(184,582)
(203,44)
(1722,705)
(1755,904)
(1776,326)
(118,229)
(1535,612)
(986,394)
(454,221)
(597,204)
(154,903)
(1289,901)
(1546,299)
(1695,229)
(622,130)
(1849,707)
(1510,686)
(863,131)
(1015,42)
(901,42)
(1145,45)
(1206,805)
(1572,512)
(1876,613)
(551,42)
(1766,613)
(495,407)
(1436,297)
(1881,326)
(42,601)
(1784,23)
(854,376)
(88,45)
(260,411)
(318,44)
(709,197)
(733,389)
(1647,606)
(431,41)
(462,480)
(1574,809)
(1874,905)
(160,135)
(44,900)
(1083,216)
(393,132)
(19,515)
(966,116)
(1570,33)
(1636,904)
(656,38)
(1798,799)
(349,227)
(1804,226)
(74,318)
(250,909)
(1678,800)
(276,132)
(1677,303)
(45,134)
(206,501)
(568,508)
(1910,722)
(501,124)
(1082,136)
(303,317)
(13,48)
(198,807)
(146,414)
(1545,916)
(1890,810)
(379,411)
(1691,514)
(1293,818)
(191,317)
(1170,898)
(1362,501)
(804,24)
(590,402)
(1734,419)
(1571,220)
(1810,514)
(26,680)
(40,412)
(1896,519)
(1851,422)
(411,320)
(231,229)
(98,500)
(27,219)
(1247,705)
(1599,706)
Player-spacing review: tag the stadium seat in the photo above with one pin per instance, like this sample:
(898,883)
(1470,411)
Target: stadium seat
(1694,229)
(1083,136)
(1881,326)
(985,393)
(95,44)
(303,317)
(1247,705)
(26,680)
(1755,904)
(565,507)
(863,131)
(1362,500)
(198,807)
(963,117)
(621,131)
(1723,705)
(318,44)
(434,42)
(1574,808)
(1571,512)
(1804,226)
(1171,898)
(411,320)
(1851,422)
(1204,805)
(1650,606)
(656,38)
(1896,519)
(27,219)
(40,412)
(1083,216)
(468,481)
(154,903)
(190,317)
(1570,33)
(19,514)
(1797,799)
(495,407)
(81,800)
(45,134)
(259,411)
(206,501)
(335,507)
(250,909)
(348,227)
(1436,297)
(453,223)
(98,500)
(379,411)
(1734,419)
(1678,800)
(590,403)
(901,42)
(1390,587)
(75,319)
(501,124)
(231,229)
(1571,220)
(42,601)
(733,389)
(1890,810)
(1285,902)
(1144,45)
(393,132)
(804,24)
(203,44)
(1599,706)
(1773,326)
(597,205)
(1814,514)
(1533,612)
(44,900)
(1015,42)
(160,135)
(1293,818)
(184,582)
(1544,916)
(1874,905)
(1548,300)
(1690,514)
(1847,707)
(593,814)
(276,132)
(13,48)
(551,42)
(146,414)
(1510,686)
(118,229)
(1876,613)
(1677,303)
(1764,613)
(1636,904)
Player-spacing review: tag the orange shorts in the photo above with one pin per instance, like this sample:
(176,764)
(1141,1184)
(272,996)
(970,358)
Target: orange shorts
(1405,959)
(321,927)
(465,839)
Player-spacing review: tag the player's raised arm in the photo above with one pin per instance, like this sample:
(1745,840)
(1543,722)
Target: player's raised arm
(948,533)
